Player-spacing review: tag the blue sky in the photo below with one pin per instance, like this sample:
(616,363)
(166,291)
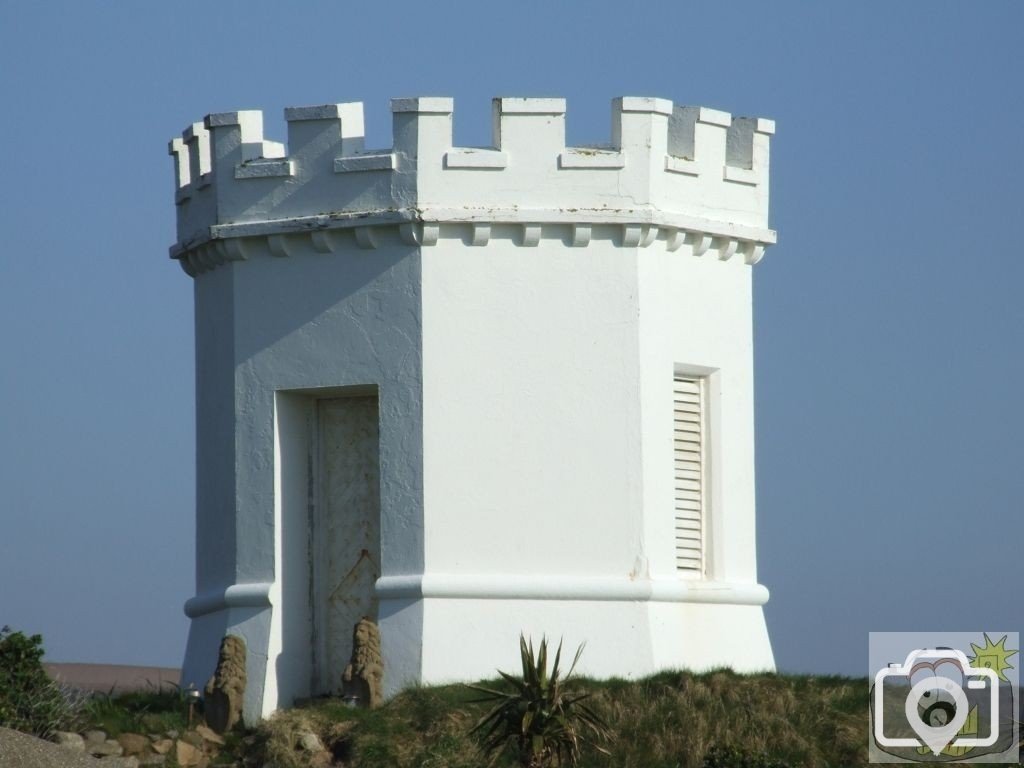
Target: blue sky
(888,319)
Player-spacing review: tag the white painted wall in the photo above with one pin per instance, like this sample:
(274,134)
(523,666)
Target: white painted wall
(531,409)
(345,321)
(696,318)
(548,450)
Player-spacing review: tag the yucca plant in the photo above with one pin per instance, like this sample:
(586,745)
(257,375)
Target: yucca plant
(539,721)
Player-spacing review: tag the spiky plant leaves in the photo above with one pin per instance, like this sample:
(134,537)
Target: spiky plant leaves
(537,720)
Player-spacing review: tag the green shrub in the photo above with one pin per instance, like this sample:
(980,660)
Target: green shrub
(29,700)
(539,722)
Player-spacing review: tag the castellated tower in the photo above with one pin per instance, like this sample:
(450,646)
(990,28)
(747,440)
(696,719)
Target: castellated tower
(472,392)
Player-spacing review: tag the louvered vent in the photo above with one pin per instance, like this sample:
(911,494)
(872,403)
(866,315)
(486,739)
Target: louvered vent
(689,398)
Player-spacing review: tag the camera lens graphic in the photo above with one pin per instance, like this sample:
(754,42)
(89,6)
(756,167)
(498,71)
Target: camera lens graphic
(936,713)
(938,699)
(936,709)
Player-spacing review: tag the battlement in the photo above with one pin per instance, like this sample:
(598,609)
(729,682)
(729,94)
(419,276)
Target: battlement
(690,171)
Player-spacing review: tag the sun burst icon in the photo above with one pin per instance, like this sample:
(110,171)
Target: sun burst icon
(993,656)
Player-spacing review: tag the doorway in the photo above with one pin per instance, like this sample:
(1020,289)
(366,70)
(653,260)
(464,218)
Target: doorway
(345,545)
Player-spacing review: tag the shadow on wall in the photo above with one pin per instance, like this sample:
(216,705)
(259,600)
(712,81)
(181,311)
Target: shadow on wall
(342,292)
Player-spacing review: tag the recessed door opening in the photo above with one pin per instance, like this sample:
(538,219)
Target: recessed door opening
(345,530)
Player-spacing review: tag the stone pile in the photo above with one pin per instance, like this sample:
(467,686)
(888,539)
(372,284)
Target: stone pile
(194,748)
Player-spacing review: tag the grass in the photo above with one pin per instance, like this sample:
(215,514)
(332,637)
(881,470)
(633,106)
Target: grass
(669,720)
(143,712)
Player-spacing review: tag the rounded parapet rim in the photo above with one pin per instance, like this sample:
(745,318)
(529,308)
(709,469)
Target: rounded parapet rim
(329,233)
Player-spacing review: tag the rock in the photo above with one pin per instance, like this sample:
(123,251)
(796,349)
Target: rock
(186,754)
(97,737)
(193,738)
(210,735)
(121,762)
(152,760)
(172,734)
(223,693)
(163,746)
(69,740)
(310,742)
(134,743)
(108,748)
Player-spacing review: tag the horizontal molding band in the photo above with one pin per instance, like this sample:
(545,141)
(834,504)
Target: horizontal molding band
(561,587)
(214,253)
(252,595)
(430,214)
(508,587)
(436,215)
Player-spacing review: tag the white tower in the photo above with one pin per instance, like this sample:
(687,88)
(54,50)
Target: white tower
(472,392)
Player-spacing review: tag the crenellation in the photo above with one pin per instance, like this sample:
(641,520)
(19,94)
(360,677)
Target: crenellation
(324,132)
(193,196)
(684,171)
(475,157)
(376,161)
(239,136)
(531,130)
(747,149)
(520,105)
(176,148)
(424,105)
(422,128)
(591,157)
(698,134)
(265,168)
(640,123)
(197,139)
(739,147)
(640,132)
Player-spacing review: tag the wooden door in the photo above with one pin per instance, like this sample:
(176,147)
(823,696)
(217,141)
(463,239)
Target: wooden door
(346,534)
